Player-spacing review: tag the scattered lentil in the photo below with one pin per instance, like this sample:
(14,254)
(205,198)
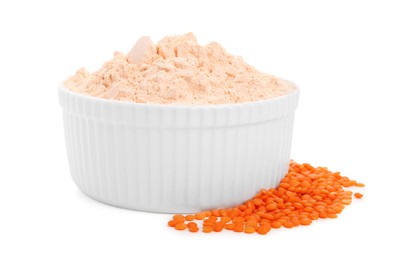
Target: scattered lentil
(304,195)
(358,195)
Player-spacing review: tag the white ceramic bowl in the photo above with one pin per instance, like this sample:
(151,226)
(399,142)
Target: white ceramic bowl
(176,158)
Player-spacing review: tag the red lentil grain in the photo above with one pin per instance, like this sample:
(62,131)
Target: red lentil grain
(249,230)
(305,221)
(180,226)
(218,226)
(172,223)
(189,217)
(358,195)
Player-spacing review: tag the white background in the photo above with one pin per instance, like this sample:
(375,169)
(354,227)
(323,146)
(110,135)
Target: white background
(354,62)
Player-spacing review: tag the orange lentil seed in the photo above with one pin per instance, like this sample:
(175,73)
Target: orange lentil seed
(180,226)
(249,230)
(238,227)
(229,226)
(193,229)
(358,195)
(218,226)
(262,230)
(207,229)
(178,218)
(276,224)
(225,219)
(251,223)
(305,221)
(200,215)
(288,225)
(189,217)
(172,223)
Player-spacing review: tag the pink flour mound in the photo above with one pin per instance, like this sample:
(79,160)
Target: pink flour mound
(177,70)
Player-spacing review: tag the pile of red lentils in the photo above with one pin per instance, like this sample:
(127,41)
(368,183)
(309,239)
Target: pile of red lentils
(304,195)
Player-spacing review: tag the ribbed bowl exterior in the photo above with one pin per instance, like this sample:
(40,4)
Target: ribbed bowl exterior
(176,158)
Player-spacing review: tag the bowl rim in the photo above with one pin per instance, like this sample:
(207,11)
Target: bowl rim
(296,91)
